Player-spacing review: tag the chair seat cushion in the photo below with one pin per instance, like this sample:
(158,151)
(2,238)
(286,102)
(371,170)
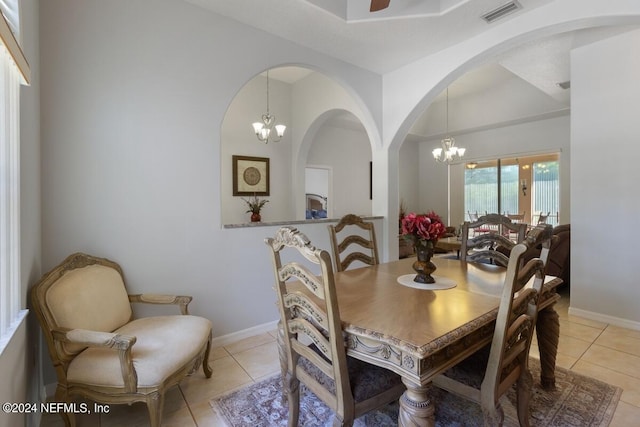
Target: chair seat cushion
(184,336)
(366,380)
(472,369)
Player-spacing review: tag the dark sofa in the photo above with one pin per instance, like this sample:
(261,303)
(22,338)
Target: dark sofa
(559,254)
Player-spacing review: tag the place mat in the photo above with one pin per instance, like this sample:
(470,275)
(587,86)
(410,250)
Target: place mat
(441,282)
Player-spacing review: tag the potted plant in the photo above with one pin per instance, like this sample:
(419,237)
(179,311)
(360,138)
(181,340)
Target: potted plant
(255,206)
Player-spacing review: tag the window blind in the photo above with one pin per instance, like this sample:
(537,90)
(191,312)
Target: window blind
(8,37)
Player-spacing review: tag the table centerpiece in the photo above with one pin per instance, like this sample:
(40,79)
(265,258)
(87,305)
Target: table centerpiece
(423,230)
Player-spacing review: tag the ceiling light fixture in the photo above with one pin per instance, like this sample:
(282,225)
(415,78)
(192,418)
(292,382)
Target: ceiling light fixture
(449,152)
(263,129)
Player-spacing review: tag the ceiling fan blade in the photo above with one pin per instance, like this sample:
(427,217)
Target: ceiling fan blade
(377,5)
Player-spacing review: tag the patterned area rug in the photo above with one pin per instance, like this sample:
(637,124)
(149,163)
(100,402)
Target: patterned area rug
(577,401)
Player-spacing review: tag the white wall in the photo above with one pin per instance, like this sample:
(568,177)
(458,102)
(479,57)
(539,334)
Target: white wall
(410,183)
(605,132)
(131,146)
(348,152)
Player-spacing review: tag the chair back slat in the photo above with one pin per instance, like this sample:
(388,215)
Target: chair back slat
(347,247)
(308,309)
(490,232)
(302,273)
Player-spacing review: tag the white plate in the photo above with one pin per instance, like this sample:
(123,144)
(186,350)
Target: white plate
(441,282)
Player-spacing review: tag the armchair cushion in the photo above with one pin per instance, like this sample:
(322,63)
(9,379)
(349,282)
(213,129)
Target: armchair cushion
(153,363)
(93,298)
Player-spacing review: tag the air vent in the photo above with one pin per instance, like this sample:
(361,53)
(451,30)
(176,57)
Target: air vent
(564,85)
(501,11)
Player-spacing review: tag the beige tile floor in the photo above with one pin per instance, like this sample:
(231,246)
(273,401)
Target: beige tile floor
(602,351)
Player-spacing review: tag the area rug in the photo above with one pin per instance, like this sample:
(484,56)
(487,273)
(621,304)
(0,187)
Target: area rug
(577,401)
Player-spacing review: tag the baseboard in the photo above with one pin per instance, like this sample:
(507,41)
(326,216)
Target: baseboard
(246,333)
(616,321)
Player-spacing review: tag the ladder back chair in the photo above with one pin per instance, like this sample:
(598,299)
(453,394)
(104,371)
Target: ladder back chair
(485,246)
(311,339)
(100,352)
(516,219)
(543,218)
(488,374)
(481,229)
(348,247)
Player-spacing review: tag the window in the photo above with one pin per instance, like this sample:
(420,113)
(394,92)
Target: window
(514,186)
(14,70)
(545,191)
(10,9)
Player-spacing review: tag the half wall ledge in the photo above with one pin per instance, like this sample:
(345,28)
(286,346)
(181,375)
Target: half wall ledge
(302,221)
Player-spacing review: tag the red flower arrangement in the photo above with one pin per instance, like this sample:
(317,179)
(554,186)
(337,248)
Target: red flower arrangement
(423,228)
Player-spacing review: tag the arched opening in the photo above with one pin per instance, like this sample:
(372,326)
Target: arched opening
(324,127)
(515,104)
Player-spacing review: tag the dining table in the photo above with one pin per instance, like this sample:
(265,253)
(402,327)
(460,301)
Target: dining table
(419,331)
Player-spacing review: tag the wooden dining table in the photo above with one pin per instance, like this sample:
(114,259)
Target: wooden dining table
(420,333)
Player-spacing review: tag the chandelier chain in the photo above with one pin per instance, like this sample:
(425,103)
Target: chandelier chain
(449,152)
(263,129)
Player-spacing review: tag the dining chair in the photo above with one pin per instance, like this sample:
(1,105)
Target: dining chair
(353,239)
(100,351)
(516,219)
(485,246)
(311,337)
(488,374)
(480,229)
(542,218)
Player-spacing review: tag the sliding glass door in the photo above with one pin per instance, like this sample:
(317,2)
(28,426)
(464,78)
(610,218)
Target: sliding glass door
(480,189)
(526,186)
(546,191)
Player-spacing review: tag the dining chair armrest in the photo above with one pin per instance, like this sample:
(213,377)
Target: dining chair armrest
(121,343)
(180,300)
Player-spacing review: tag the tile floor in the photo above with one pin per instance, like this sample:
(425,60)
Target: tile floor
(602,351)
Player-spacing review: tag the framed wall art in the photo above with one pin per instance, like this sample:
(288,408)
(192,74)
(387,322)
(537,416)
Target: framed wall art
(250,176)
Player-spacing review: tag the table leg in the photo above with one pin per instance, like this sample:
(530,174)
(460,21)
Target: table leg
(416,408)
(548,333)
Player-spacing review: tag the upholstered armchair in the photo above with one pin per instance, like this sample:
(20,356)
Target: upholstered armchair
(100,352)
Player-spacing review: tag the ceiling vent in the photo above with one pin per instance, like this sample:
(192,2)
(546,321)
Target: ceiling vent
(501,11)
(565,85)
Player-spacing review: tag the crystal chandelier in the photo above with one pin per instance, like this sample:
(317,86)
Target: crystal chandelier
(263,129)
(449,152)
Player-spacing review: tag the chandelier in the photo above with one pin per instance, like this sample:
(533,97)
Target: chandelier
(263,129)
(449,152)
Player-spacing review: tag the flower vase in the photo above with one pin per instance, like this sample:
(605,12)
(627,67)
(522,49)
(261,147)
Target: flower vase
(423,266)
(255,217)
